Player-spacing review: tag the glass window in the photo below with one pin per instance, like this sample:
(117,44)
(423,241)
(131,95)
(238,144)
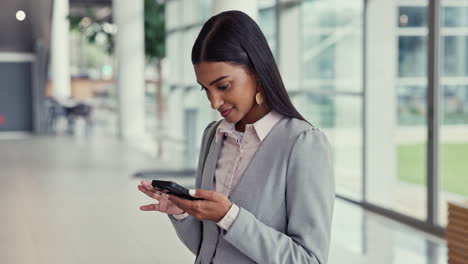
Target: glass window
(172,11)
(340,117)
(322,65)
(332,68)
(455,16)
(455,50)
(396,108)
(453,106)
(412,16)
(265,3)
(332,45)
(412,56)
(205,9)
(267,22)
(412,105)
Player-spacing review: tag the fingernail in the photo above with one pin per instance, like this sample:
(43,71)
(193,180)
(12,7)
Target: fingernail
(192,192)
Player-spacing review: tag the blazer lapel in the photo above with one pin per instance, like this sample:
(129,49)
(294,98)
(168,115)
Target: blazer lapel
(210,165)
(251,176)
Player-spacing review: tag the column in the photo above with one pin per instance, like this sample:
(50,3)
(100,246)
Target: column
(60,53)
(290,57)
(173,145)
(347,133)
(381,102)
(130,56)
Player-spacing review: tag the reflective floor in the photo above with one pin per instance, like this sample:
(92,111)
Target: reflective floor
(66,200)
(359,236)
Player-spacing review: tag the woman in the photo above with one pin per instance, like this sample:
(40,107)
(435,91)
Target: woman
(264,172)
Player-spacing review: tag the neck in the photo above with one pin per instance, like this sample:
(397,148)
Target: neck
(253,116)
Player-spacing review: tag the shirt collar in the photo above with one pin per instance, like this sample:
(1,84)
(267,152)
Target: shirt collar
(262,127)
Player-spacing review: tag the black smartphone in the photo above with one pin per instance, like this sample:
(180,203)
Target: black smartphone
(173,188)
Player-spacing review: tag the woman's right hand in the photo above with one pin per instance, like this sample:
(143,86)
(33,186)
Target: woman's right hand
(164,206)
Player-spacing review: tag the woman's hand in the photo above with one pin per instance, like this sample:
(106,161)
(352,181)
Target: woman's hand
(164,206)
(214,207)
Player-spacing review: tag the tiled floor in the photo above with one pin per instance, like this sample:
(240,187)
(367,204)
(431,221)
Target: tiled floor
(65,200)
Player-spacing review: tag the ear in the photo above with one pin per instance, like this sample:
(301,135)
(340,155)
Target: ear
(258,86)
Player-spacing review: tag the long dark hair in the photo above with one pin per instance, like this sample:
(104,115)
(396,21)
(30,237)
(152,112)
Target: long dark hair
(234,37)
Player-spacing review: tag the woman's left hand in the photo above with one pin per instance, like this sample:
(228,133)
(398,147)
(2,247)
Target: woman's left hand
(214,207)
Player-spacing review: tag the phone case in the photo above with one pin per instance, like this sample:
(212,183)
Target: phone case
(173,188)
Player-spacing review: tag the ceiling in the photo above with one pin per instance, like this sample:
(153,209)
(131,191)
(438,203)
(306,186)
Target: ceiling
(91,2)
(21,36)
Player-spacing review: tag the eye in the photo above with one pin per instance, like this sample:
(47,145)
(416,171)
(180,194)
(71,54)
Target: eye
(224,87)
(203,88)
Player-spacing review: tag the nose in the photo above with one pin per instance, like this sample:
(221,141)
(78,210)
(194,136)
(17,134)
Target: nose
(216,102)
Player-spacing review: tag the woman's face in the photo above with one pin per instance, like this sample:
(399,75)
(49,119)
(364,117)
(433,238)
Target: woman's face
(231,90)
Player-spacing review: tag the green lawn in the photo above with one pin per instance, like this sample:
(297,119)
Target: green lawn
(454,166)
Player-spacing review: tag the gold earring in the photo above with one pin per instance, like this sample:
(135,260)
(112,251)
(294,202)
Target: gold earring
(259,98)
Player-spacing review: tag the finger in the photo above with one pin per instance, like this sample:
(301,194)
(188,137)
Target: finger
(150,207)
(149,192)
(150,188)
(184,204)
(204,194)
(147,184)
(153,194)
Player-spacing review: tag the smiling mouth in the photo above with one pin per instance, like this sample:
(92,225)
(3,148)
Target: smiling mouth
(227,112)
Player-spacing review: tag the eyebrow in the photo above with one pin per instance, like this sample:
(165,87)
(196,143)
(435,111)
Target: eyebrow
(215,81)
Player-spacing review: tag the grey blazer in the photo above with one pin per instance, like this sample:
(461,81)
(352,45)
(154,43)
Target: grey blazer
(285,198)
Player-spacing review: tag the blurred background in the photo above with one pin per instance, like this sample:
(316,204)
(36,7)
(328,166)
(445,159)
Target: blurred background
(96,95)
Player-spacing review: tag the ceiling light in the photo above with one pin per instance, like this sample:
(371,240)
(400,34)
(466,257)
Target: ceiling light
(404,20)
(20,15)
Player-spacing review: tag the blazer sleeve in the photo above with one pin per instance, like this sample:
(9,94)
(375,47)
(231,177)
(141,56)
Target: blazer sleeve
(310,193)
(189,229)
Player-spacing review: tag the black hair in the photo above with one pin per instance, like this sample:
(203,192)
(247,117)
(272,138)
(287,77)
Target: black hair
(233,37)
